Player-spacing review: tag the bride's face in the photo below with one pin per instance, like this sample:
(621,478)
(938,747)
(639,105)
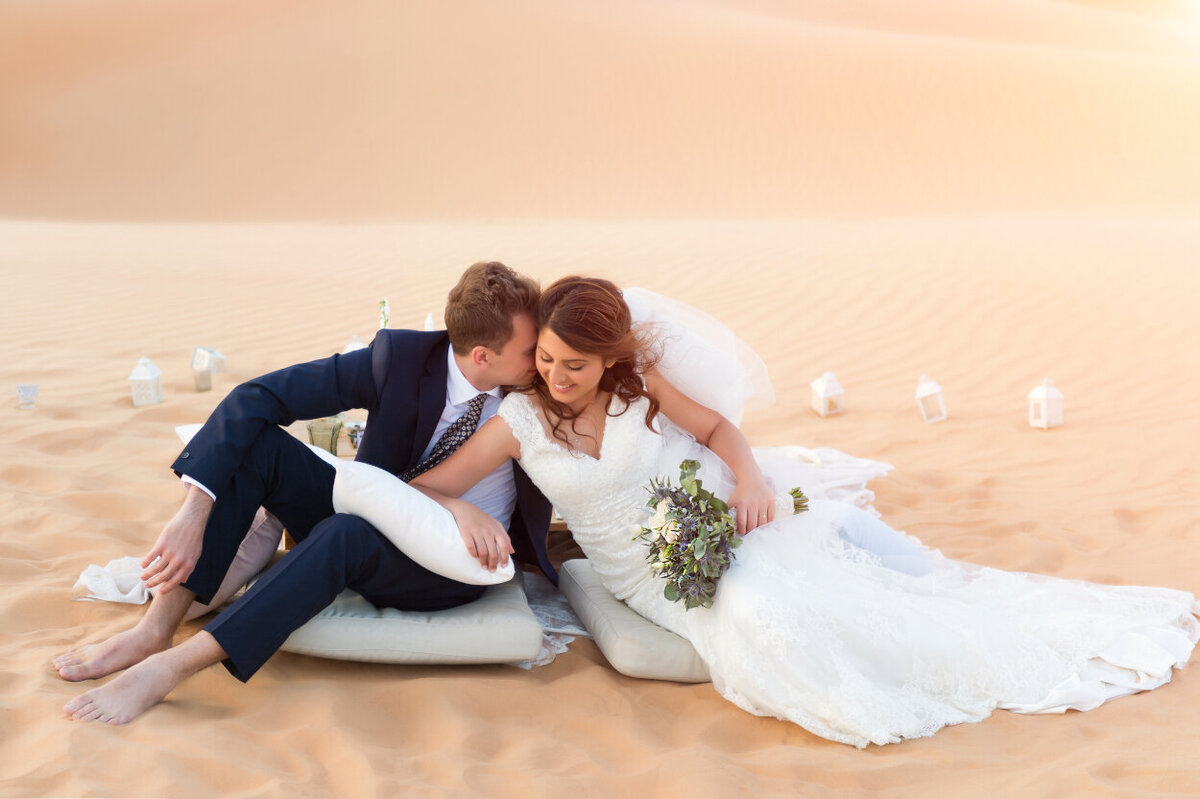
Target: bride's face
(572,376)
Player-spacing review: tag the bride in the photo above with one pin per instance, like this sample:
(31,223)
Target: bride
(828,618)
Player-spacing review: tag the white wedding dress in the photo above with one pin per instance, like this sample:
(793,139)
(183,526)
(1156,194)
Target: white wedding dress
(833,620)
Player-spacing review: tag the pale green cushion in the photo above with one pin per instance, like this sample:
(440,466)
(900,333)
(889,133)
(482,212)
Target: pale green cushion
(499,627)
(633,645)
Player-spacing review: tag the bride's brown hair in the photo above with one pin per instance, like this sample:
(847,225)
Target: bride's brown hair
(590,316)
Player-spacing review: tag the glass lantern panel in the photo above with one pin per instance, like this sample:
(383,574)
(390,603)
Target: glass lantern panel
(324,433)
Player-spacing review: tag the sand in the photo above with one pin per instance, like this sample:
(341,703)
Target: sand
(988,194)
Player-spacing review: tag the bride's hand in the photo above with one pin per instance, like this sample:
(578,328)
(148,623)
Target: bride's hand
(486,538)
(752,504)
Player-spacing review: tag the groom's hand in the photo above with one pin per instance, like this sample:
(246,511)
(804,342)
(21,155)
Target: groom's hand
(177,549)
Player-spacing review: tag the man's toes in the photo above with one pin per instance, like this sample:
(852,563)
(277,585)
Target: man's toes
(78,707)
(72,673)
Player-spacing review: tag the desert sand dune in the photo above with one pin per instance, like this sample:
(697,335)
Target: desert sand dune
(989,193)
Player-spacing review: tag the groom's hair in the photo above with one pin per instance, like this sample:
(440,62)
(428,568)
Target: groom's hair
(481,306)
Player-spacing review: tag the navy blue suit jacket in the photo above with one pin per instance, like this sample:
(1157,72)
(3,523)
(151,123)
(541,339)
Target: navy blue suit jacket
(400,380)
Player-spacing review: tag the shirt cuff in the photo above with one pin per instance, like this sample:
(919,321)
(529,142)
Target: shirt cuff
(199,485)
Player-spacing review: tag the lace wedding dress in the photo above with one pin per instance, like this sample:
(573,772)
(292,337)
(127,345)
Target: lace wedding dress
(833,620)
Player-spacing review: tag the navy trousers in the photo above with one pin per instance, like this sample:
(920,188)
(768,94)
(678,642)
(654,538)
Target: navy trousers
(334,552)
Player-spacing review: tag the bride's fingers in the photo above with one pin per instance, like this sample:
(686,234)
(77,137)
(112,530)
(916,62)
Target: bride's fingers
(754,517)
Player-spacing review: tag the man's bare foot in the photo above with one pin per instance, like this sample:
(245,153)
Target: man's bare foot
(124,649)
(147,683)
(128,696)
(152,634)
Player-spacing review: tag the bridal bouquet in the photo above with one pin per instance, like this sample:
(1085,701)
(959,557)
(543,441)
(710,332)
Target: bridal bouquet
(691,536)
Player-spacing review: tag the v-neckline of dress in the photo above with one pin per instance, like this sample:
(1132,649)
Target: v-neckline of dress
(576,453)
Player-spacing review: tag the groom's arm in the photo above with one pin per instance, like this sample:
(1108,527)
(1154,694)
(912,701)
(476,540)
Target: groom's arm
(306,391)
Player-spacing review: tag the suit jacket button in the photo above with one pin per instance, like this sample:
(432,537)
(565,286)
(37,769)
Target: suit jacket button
(184,455)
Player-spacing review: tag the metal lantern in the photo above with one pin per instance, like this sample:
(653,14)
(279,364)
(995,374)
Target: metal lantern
(827,395)
(324,433)
(145,381)
(1045,406)
(206,359)
(203,378)
(929,400)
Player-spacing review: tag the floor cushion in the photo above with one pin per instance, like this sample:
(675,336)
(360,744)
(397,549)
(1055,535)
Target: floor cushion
(499,627)
(633,645)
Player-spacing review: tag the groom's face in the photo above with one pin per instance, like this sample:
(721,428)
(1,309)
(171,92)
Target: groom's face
(513,364)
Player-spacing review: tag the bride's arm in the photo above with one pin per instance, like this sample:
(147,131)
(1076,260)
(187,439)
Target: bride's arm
(752,501)
(480,455)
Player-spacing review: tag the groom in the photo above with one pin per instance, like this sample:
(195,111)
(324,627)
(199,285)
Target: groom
(424,393)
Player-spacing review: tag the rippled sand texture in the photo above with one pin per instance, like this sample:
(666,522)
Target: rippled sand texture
(989,194)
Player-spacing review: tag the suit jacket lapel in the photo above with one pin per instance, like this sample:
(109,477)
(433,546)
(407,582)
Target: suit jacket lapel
(431,400)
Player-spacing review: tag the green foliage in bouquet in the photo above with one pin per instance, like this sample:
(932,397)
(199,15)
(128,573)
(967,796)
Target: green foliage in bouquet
(691,536)
(799,501)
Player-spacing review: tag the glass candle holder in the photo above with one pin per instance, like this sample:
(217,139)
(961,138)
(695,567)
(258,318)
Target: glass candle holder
(26,395)
(324,433)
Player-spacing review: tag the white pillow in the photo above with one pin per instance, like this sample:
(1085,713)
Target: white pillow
(418,526)
(414,523)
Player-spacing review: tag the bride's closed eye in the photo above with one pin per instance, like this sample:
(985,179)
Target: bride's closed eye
(570,367)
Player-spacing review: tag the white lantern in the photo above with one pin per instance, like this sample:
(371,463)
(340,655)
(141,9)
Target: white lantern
(429,323)
(929,400)
(355,344)
(146,383)
(206,359)
(1045,406)
(826,395)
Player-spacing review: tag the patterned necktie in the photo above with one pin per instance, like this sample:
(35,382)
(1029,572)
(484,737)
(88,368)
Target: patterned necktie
(458,432)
